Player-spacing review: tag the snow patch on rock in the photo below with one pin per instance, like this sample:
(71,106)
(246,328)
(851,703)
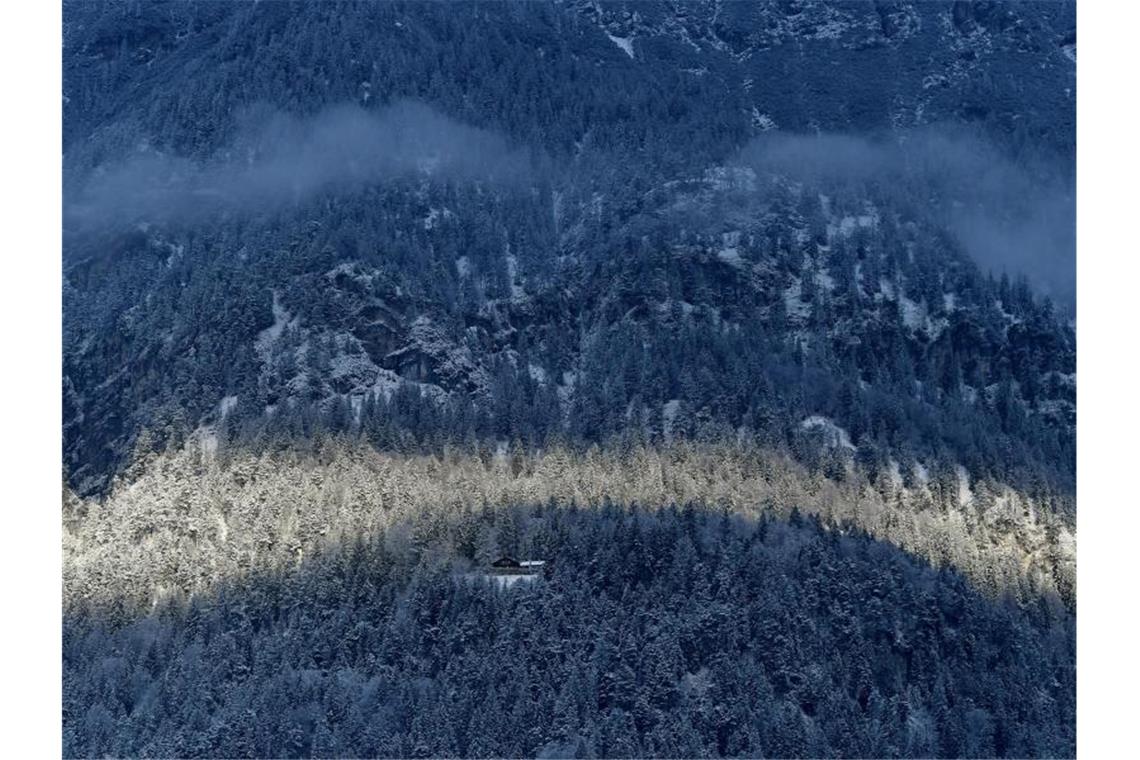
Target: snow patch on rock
(517,291)
(226,405)
(434,215)
(847,226)
(965,493)
(270,335)
(793,300)
(762,121)
(730,248)
(463,266)
(625,43)
(834,436)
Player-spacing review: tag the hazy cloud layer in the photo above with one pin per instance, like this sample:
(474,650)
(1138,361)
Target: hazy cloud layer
(1009,218)
(278,160)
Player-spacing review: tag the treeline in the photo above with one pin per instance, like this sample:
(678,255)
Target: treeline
(663,633)
(181,523)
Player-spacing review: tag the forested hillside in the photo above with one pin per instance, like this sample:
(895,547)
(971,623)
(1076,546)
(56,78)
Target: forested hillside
(358,295)
(231,242)
(681,633)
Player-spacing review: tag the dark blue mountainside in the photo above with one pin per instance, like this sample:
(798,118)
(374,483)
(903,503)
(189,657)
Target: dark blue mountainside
(571,212)
(359,295)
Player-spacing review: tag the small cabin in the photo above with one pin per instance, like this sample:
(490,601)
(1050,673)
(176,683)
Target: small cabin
(507,565)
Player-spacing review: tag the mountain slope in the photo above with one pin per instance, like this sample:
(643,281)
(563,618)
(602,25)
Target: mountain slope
(656,635)
(358,296)
(631,194)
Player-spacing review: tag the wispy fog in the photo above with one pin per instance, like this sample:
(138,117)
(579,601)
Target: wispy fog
(1018,219)
(277,160)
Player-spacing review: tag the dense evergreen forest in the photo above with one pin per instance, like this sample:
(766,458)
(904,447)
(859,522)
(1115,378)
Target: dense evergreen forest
(639,256)
(678,633)
(754,320)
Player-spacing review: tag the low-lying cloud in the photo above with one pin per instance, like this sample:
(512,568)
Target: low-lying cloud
(277,160)
(1010,218)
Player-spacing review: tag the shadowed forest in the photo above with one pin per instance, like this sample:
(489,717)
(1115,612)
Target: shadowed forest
(671,633)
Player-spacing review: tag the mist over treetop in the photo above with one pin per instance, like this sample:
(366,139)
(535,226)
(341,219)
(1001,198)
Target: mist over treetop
(279,159)
(1013,217)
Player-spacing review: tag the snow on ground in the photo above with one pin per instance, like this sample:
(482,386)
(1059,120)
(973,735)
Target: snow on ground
(388,381)
(1011,318)
(463,266)
(501,581)
(916,317)
(506,581)
(267,337)
(226,406)
(894,472)
(517,291)
(223,527)
(913,314)
(208,442)
(625,43)
(949,301)
(834,435)
(537,373)
(730,248)
(434,215)
(793,303)
(566,389)
(921,474)
(762,121)
(848,224)
(965,494)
